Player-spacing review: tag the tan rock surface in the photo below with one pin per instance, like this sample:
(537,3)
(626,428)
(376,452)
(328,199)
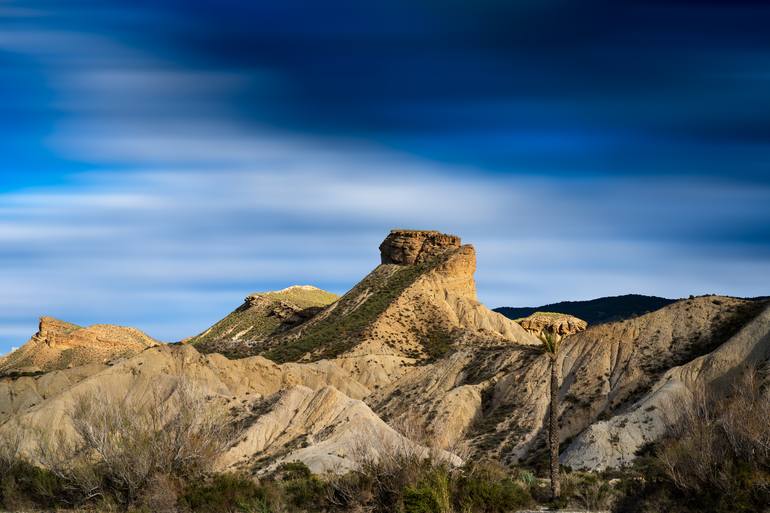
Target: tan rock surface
(496,398)
(408,247)
(19,394)
(323,428)
(405,313)
(561,324)
(614,442)
(59,345)
(317,403)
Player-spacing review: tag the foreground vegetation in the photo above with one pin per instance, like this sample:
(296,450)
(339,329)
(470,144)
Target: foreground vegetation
(156,455)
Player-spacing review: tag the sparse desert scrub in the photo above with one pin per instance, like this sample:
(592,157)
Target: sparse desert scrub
(715,458)
(411,479)
(10,446)
(128,442)
(720,448)
(589,491)
(123,450)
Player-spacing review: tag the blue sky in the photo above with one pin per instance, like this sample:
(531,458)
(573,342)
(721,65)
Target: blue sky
(160,160)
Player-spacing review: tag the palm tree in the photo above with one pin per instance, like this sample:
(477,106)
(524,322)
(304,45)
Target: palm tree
(551,343)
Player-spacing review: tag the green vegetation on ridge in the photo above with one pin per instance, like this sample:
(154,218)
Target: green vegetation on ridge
(340,330)
(251,322)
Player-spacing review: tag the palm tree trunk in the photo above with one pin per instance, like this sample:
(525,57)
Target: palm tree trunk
(553,428)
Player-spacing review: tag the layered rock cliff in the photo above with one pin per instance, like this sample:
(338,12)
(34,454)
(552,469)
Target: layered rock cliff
(408,247)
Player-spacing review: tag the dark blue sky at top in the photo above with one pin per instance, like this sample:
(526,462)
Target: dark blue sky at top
(552,87)
(635,123)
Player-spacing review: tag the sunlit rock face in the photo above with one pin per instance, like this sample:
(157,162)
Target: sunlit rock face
(407,247)
(561,324)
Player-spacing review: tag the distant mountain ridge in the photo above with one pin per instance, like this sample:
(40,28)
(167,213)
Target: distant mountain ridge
(595,311)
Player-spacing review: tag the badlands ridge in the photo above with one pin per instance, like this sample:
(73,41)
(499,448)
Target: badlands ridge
(408,358)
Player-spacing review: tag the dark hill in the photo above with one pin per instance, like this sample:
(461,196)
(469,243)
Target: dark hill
(595,311)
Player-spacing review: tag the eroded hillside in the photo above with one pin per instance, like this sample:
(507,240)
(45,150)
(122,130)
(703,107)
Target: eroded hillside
(306,373)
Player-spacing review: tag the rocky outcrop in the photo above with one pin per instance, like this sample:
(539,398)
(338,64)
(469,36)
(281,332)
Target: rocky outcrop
(309,412)
(324,429)
(416,310)
(59,345)
(407,247)
(561,324)
(51,330)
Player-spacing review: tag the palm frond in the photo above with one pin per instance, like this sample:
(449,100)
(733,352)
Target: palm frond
(550,342)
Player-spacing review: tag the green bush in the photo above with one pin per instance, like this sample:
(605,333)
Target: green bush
(488,488)
(294,470)
(225,493)
(421,499)
(587,490)
(431,495)
(308,493)
(27,483)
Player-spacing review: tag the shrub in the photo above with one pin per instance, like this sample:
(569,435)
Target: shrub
(121,445)
(25,485)
(715,456)
(431,495)
(306,492)
(225,493)
(721,446)
(294,470)
(160,495)
(488,488)
(587,491)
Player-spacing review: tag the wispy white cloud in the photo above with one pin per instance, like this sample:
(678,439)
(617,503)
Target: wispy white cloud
(171,251)
(185,212)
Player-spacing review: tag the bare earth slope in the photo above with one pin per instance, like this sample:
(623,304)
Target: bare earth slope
(60,345)
(20,393)
(316,403)
(614,442)
(495,398)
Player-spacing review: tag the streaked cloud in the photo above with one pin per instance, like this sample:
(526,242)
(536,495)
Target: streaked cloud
(154,178)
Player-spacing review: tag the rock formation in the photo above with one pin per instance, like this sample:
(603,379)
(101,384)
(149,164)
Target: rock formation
(403,313)
(615,442)
(407,247)
(317,377)
(561,324)
(495,398)
(59,345)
